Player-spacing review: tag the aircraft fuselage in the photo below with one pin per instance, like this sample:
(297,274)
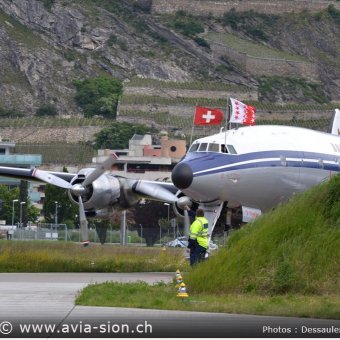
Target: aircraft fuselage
(258,166)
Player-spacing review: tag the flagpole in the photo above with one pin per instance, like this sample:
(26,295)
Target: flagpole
(229,114)
(227,118)
(193,126)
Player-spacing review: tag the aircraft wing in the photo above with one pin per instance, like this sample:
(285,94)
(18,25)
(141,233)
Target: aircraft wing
(28,174)
(163,191)
(144,187)
(100,198)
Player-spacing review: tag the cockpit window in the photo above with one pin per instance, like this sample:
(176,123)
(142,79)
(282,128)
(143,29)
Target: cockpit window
(203,147)
(214,147)
(194,147)
(231,149)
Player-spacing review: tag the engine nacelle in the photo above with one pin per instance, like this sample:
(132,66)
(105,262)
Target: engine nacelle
(183,201)
(100,194)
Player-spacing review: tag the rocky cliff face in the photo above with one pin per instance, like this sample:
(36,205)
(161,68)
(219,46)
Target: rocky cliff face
(43,50)
(33,46)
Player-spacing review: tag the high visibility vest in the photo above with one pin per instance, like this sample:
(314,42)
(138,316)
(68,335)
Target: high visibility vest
(199,231)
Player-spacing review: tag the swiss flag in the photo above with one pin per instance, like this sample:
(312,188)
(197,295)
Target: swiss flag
(242,113)
(206,116)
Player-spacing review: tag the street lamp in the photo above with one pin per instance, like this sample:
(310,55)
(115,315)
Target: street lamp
(13,201)
(21,204)
(168,210)
(56,213)
(167,204)
(141,234)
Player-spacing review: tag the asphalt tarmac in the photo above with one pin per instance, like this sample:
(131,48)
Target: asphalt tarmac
(42,305)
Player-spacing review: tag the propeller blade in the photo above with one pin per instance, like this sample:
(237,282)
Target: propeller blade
(51,179)
(155,191)
(186,223)
(99,170)
(84,231)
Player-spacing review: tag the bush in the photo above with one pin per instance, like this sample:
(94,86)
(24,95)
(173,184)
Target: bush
(99,96)
(249,22)
(188,26)
(202,42)
(9,113)
(334,13)
(48,3)
(284,278)
(117,135)
(47,110)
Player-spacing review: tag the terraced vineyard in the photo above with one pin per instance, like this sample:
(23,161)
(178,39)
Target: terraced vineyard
(158,104)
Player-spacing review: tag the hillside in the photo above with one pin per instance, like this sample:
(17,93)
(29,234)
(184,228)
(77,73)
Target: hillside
(47,44)
(286,263)
(293,249)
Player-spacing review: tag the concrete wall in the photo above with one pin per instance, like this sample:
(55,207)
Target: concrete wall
(219,7)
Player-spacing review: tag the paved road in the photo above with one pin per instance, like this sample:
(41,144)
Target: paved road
(48,298)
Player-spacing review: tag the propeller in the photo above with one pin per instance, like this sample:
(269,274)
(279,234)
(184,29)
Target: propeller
(51,179)
(128,188)
(186,223)
(99,170)
(84,231)
(77,189)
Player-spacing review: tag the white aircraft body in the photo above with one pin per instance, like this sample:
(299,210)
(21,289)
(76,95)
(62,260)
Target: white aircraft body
(256,167)
(263,165)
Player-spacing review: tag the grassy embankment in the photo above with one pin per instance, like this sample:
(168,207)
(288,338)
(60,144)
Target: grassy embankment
(285,263)
(49,256)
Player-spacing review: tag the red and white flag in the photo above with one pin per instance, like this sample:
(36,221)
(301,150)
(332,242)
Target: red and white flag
(242,113)
(206,116)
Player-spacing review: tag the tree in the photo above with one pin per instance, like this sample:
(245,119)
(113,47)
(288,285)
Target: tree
(99,96)
(66,210)
(149,214)
(23,197)
(101,229)
(31,213)
(117,135)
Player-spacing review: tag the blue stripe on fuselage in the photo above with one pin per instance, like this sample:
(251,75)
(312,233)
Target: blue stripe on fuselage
(203,163)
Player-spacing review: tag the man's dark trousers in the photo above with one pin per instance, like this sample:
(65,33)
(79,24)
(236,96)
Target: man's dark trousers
(197,254)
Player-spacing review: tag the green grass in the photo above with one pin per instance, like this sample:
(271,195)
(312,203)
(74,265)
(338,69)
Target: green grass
(250,48)
(20,33)
(49,256)
(285,263)
(192,85)
(129,99)
(164,296)
(294,249)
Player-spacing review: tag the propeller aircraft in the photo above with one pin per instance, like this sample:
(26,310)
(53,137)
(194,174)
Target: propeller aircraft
(256,167)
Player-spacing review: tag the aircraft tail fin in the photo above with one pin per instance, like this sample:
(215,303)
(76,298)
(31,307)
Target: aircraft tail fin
(334,127)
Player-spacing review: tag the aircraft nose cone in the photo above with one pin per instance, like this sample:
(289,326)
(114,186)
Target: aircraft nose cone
(182,176)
